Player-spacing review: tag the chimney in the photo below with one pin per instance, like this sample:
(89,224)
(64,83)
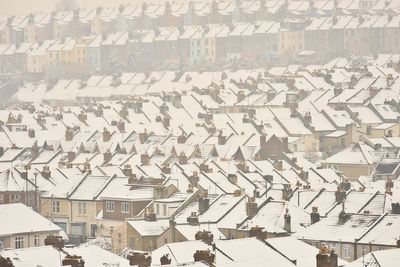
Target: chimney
(182,159)
(396,208)
(69,134)
(132,179)
(34,151)
(86,167)
(139,258)
(190,189)
(181,139)
(31,133)
(107,156)
(238,193)
(304,175)
(145,159)
(340,195)
(204,202)
(24,173)
(389,80)
(73,261)
(345,185)
(127,171)
(251,207)
(121,126)
(337,90)
(204,256)
(221,138)
(82,117)
(205,236)
(257,232)
(71,155)
(106,135)
(205,168)
(315,217)
(166,122)
(326,257)
(307,117)
(288,222)
(165,260)
(240,96)
(245,119)
(343,217)
(278,165)
(124,113)
(55,241)
(143,137)
(194,178)
(46,173)
(287,192)
(193,219)
(166,169)
(243,166)
(232,177)
(150,215)
(353,81)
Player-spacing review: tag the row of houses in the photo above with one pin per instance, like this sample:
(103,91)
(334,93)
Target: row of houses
(99,21)
(211,45)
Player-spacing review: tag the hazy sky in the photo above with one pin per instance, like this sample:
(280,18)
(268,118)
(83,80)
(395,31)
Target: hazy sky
(9,7)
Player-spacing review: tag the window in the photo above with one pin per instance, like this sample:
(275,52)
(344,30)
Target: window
(19,242)
(157,209)
(346,251)
(56,206)
(125,207)
(15,198)
(36,240)
(82,207)
(109,206)
(164,210)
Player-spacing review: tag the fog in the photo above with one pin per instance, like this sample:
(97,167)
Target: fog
(22,7)
(137,132)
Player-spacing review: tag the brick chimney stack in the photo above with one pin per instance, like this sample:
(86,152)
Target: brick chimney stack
(315,217)
(327,257)
(251,207)
(288,222)
(106,135)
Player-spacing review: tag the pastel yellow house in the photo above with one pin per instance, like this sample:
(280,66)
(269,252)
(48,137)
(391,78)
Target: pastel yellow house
(56,210)
(67,52)
(385,130)
(138,235)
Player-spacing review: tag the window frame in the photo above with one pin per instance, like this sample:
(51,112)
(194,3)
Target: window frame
(110,206)
(55,206)
(82,208)
(125,207)
(19,242)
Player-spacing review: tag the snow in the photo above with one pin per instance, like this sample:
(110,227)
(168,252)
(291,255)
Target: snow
(20,219)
